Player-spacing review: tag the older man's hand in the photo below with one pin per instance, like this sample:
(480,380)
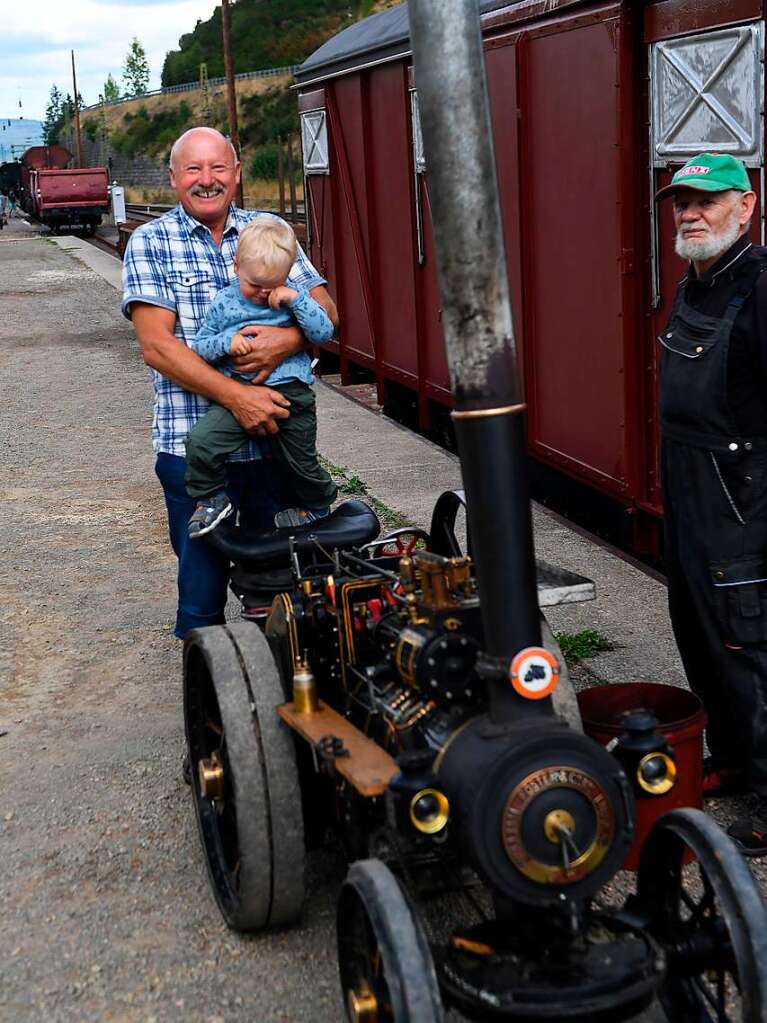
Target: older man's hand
(257,408)
(272,346)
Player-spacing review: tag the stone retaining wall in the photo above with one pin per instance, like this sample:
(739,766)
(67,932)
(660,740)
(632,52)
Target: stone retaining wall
(139,170)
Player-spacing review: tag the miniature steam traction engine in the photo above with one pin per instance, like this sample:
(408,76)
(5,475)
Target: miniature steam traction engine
(400,691)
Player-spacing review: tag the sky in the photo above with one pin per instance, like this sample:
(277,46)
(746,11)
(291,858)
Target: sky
(37,36)
(17,135)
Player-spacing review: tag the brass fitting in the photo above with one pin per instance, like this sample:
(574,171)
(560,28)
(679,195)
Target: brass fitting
(556,822)
(363,1005)
(304,689)
(211,775)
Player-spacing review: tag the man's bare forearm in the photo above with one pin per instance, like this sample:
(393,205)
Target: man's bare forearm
(255,408)
(172,358)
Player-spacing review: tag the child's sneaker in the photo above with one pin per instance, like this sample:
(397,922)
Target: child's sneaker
(208,513)
(298,517)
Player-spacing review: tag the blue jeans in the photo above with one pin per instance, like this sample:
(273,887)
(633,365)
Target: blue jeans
(256,490)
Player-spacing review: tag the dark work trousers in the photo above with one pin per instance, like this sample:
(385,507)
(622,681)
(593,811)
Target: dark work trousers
(294,449)
(715,500)
(257,491)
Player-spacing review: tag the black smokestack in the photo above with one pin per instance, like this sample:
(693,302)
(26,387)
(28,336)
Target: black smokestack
(479,334)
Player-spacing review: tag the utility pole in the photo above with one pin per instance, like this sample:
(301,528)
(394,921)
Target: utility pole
(291,180)
(234,134)
(205,90)
(78,140)
(104,133)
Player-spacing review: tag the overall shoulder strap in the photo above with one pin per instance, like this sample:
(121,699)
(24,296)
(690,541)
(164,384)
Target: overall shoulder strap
(681,288)
(746,287)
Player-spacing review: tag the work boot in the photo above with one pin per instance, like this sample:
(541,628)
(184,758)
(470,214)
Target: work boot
(210,511)
(722,780)
(750,835)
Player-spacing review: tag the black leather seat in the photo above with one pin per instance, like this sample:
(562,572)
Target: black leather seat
(352,524)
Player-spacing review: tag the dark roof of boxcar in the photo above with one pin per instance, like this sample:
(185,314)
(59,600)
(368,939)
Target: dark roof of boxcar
(379,37)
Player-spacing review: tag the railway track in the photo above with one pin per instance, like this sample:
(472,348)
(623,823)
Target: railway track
(141,213)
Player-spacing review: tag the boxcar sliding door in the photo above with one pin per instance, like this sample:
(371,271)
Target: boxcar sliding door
(576,271)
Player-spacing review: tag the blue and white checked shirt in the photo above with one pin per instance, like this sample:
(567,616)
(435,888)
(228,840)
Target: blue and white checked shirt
(173,262)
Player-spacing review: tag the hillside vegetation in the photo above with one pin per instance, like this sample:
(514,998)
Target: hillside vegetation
(265,33)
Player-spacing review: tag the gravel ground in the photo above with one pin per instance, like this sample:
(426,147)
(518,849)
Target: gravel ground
(106,909)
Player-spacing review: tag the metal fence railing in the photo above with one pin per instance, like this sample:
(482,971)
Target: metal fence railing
(270,72)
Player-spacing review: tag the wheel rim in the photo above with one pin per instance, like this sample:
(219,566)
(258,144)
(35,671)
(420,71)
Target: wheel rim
(709,918)
(695,932)
(361,962)
(385,964)
(217,818)
(252,836)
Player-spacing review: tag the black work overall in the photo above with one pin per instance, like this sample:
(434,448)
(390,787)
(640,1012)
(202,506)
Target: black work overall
(715,498)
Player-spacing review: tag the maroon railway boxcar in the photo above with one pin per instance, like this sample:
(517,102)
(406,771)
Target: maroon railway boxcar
(38,157)
(78,196)
(61,196)
(594,103)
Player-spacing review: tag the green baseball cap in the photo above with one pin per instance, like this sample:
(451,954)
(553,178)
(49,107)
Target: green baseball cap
(709,173)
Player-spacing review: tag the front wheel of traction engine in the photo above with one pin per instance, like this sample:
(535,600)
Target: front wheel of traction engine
(709,918)
(244,777)
(385,964)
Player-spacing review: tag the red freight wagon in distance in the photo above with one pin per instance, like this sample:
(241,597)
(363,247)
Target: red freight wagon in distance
(37,157)
(78,196)
(594,105)
(61,196)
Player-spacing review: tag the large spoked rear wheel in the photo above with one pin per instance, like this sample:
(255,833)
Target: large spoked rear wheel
(709,917)
(244,778)
(384,960)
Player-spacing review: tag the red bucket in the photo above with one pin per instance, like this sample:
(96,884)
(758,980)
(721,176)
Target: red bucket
(681,720)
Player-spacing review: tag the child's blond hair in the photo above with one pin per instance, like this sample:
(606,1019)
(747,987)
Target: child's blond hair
(268,244)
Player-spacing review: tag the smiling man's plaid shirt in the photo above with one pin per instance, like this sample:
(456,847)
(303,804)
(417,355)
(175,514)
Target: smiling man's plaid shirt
(173,262)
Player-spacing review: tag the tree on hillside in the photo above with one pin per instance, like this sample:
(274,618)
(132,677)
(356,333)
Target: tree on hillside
(53,116)
(68,105)
(111,89)
(136,70)
(265,34)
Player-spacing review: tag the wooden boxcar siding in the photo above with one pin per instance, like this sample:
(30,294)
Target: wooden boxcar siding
(563,250)
(572,244)
(393,254)
(320,209)
(569,107)
(349,222)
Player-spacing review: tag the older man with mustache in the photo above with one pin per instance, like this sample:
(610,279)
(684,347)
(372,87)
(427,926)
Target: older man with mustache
(713,416)
(172,269)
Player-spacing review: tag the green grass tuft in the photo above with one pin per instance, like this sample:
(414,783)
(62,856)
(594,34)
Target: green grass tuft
(576,646)
(354,485)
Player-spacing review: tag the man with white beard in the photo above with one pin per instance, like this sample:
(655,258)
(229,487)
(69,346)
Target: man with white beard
(713,420)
